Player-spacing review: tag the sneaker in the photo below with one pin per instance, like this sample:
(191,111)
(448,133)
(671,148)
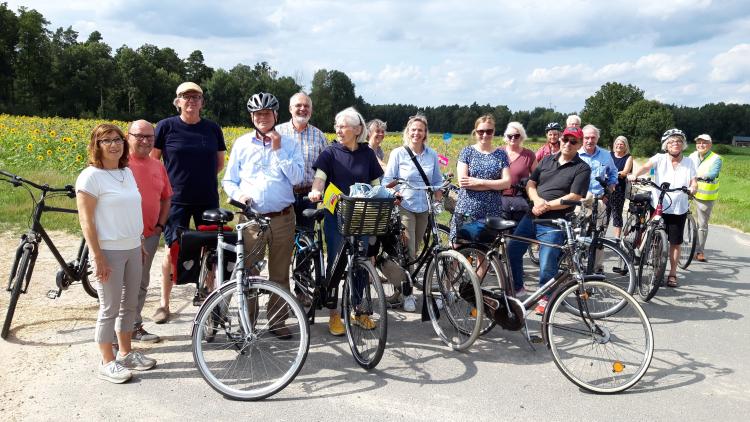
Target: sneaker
(161,315)
(439,302)
(521,292)
(140,334)
(410,303)
(335,326)
(136,361)
(114,372)
(541,306)
(364,321)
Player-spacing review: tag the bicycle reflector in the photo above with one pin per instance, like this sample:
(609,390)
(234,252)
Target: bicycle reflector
(617,367)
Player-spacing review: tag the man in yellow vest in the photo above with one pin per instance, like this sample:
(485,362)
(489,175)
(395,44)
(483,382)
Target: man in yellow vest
(708,167)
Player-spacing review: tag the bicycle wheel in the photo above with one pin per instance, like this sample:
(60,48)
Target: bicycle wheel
(364,314)
(15,289)
(628,235)
(653,263)
(533,251)
(689,242)
(454,299)
(491,275)
(391,275)
(250,365)
(84,268)
(306,269)
(603,355)
(444,237)
(206,277)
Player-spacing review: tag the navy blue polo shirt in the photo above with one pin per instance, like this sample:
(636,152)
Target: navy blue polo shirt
(344,168)
(554,180)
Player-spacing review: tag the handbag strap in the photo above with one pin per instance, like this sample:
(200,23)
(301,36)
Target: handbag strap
(419,167)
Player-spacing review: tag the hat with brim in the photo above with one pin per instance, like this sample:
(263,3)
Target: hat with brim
(705,137)
(573,131)
(187,87)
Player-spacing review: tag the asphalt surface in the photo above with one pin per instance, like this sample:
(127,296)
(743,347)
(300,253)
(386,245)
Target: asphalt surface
(700,369)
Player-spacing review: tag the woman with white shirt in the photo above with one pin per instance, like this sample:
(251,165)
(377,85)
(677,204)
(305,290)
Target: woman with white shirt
(413,207)
(679,171)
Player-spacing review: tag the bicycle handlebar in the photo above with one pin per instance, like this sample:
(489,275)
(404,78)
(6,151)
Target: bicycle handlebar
(17,181)
(664,186)
(247,211)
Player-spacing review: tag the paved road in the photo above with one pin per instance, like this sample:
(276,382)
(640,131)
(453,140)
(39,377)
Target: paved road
(700,369)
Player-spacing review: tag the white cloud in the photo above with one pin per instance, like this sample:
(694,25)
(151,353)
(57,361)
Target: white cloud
(660,67)
(555,74)
(744,89)
(360,76)
(399,72)
(731,66)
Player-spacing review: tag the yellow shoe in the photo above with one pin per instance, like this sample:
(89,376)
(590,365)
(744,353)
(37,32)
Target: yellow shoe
(335,326)
(365,322)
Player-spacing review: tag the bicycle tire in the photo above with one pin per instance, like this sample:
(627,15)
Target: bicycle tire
(654,258)
(603,355)
(206,277)
(689,242)
(84,266)
(391,274)
(628,235)
(16,288)
(366,342)
(249,366)
(444,237)
(452,288)
(493,277)
(305,271)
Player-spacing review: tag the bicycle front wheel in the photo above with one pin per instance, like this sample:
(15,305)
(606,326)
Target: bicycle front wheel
(364,314)
(689,242)
(256,363)
(653,263)
(604,355)
(15,289)
(454,299)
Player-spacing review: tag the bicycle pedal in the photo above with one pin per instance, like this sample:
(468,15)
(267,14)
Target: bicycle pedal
(54,294)
(536,339)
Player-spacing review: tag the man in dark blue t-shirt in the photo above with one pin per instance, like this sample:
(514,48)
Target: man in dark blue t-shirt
(193,151)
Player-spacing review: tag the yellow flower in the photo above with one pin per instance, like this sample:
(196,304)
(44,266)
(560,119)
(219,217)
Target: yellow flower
(52,133)
(49,152)
(40,157)
(78,157)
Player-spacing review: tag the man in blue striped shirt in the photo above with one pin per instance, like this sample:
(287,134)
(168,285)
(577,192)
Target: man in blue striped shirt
(312,141)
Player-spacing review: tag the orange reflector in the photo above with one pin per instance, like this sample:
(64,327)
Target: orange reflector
(473,312)
(617,367)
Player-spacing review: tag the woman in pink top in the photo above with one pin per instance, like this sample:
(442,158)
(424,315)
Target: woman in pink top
(522,163)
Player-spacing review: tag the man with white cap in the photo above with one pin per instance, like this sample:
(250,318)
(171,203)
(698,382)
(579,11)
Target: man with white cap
(193,151)
(708,165)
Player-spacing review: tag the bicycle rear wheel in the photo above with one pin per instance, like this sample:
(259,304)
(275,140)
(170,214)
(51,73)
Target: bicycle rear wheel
(305,271)
(653,263)
(689,242)
(454,299)
(15,289)
(604,355)
(84,268)
(364,314)
(206,277)
(250,365)
(491,275)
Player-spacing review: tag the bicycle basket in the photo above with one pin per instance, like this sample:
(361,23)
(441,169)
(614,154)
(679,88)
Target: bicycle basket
(449,200)
(364,216)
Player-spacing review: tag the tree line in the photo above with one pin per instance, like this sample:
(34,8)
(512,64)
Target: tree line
(48,73)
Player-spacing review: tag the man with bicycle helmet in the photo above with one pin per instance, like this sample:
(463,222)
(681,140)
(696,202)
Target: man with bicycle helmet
(552,131)
(677,170)
(262,171)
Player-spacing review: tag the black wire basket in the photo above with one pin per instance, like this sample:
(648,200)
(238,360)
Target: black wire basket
(364,216)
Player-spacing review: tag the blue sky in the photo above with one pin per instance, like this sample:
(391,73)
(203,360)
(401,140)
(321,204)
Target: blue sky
(519,53)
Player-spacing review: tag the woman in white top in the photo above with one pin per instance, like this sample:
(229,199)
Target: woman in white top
(109,210)
(678,171)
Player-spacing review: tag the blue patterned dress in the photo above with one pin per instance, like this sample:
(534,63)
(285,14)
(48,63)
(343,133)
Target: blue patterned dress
(480,204)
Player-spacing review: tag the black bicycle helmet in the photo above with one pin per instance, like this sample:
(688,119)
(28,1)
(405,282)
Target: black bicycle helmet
(553,126)
(262,101)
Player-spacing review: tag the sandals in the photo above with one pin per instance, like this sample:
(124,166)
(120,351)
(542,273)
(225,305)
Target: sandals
(672,281)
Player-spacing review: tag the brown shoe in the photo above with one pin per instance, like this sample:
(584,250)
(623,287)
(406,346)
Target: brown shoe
(281,333)
(700,257)
(161,315)
(672,281)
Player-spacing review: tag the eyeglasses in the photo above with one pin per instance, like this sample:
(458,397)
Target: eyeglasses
(191,97)
(141,137)
(570,141)
(109,142)
(342,127)
(513,135)
(488,132)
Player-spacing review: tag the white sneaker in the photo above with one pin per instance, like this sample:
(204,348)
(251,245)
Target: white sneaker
(136,361)
(410,303)
(439,302)
(114,372)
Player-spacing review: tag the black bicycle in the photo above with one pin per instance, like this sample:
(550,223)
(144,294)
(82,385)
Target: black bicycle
(77,270)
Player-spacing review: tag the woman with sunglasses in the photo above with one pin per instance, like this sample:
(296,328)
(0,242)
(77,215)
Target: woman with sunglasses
(521,163)
(483,172)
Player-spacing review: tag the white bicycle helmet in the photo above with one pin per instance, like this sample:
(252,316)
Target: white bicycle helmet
(262,101)
(670,133)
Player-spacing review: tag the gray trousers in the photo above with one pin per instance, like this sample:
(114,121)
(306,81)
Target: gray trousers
(151,243)
(702,215)
(118,297)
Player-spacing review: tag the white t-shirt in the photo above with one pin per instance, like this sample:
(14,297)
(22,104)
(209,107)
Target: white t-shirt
(674,202)
(117,217)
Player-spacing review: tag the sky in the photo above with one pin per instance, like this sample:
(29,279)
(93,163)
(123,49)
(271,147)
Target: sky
(522,54)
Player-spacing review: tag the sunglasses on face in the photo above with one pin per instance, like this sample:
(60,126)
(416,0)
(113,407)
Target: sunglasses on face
(513,136)
(482,132)
(570,141)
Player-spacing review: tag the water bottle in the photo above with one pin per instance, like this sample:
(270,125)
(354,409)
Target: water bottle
(651,173)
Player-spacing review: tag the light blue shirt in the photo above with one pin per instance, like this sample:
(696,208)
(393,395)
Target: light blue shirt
(400,165)
(601,166)
(312,142)
(265,176)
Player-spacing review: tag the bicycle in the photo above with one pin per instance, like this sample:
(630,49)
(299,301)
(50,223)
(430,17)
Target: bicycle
(448,282)
(363,303)
(27,251)
(236,338)
(690,235)
(599,336)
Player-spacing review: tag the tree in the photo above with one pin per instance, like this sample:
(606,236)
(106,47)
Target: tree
(222,92)
(33,63)
(332,91)
(195,69)
(604,107)
(643,124)
(8,41)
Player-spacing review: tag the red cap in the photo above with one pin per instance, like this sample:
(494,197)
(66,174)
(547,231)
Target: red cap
(573,131)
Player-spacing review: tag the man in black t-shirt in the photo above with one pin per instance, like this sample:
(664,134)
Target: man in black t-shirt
(562,176)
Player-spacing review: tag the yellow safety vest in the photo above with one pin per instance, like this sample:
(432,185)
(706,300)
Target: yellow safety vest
(708,191)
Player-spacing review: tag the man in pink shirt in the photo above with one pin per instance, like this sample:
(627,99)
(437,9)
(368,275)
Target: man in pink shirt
(153,184)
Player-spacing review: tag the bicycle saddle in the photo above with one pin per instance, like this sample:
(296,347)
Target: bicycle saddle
(642,197)
(218,215)
(316,214)
(499,223)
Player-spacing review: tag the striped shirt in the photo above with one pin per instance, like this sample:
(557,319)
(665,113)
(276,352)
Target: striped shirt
(312,142)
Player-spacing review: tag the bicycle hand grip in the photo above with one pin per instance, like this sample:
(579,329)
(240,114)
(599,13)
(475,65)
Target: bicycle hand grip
(237,204)
(570,202)
(552,221)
